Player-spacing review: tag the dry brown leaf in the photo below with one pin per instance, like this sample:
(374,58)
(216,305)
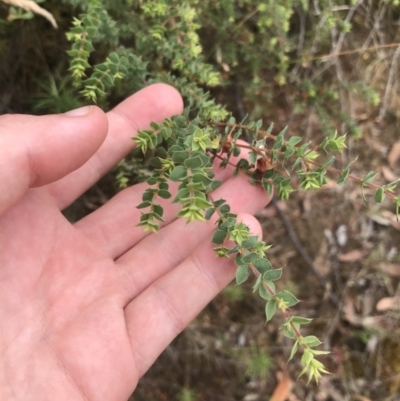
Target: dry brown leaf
(391,269)
(352,256)
(349,312)
(394,154)
(283,389)
(362,398)
(269,211)
(388,174)
(388,303)
(380,219)
(29,5)
(393,219)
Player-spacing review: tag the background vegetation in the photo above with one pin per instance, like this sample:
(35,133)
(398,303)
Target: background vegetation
(313,66)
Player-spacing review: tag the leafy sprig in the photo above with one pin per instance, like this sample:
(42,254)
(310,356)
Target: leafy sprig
(184,150)
(184,153)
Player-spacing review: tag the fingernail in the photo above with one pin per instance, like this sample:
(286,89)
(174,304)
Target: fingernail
(82,111)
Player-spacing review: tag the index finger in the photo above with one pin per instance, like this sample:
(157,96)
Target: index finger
(153,103)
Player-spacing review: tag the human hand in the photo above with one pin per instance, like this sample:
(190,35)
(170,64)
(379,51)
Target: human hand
(86,308)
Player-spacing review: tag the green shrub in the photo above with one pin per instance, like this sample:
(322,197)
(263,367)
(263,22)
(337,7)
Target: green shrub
(260,49)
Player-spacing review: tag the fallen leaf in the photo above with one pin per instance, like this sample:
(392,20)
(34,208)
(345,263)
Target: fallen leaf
(388,174)
(251,397)
(388,303)
(361,398)
(391,269)
(283,389)
(349,312)
(352,256)
(393,219)
(269,211)
(394,154)
(380,219)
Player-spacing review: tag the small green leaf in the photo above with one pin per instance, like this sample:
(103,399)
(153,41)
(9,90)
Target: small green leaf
(202,203)
(178,173)
(272,275)
(180,156)
(236,151)
(157,216)
(310,341)
(144,204)
(242,274)
(369,177)
(238,260)
(222,252)
(250,242)
(215,184)
(288,332)
(253,157)
(262,265)
(270,309)
(251,257)
(263,292)
(200,177)
(148,195)
(343,176)
(162,153)
(194,162)
(225,209)
(182,194)
(257,283)
(306,358)
(294,140)
(270,285)
(379,195)
(318,352)
(152,181)
(209,213)
(294,349)
(158,209)
(301,320)
(228,223)
(267,186)
(397,203)
(296,163)
(234,249)
(288,298)
(156,162)
(164,194)
(288,152)
(278,143)
(219,237)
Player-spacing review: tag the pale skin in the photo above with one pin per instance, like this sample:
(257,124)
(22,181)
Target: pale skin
(86,308)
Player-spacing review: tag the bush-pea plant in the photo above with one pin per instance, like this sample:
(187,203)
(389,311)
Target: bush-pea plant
(120,46)
(184,151)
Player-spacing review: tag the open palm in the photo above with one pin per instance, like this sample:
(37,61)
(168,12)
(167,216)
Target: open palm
(86,309)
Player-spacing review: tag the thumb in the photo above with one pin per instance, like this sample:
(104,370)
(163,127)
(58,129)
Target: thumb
(35,151)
